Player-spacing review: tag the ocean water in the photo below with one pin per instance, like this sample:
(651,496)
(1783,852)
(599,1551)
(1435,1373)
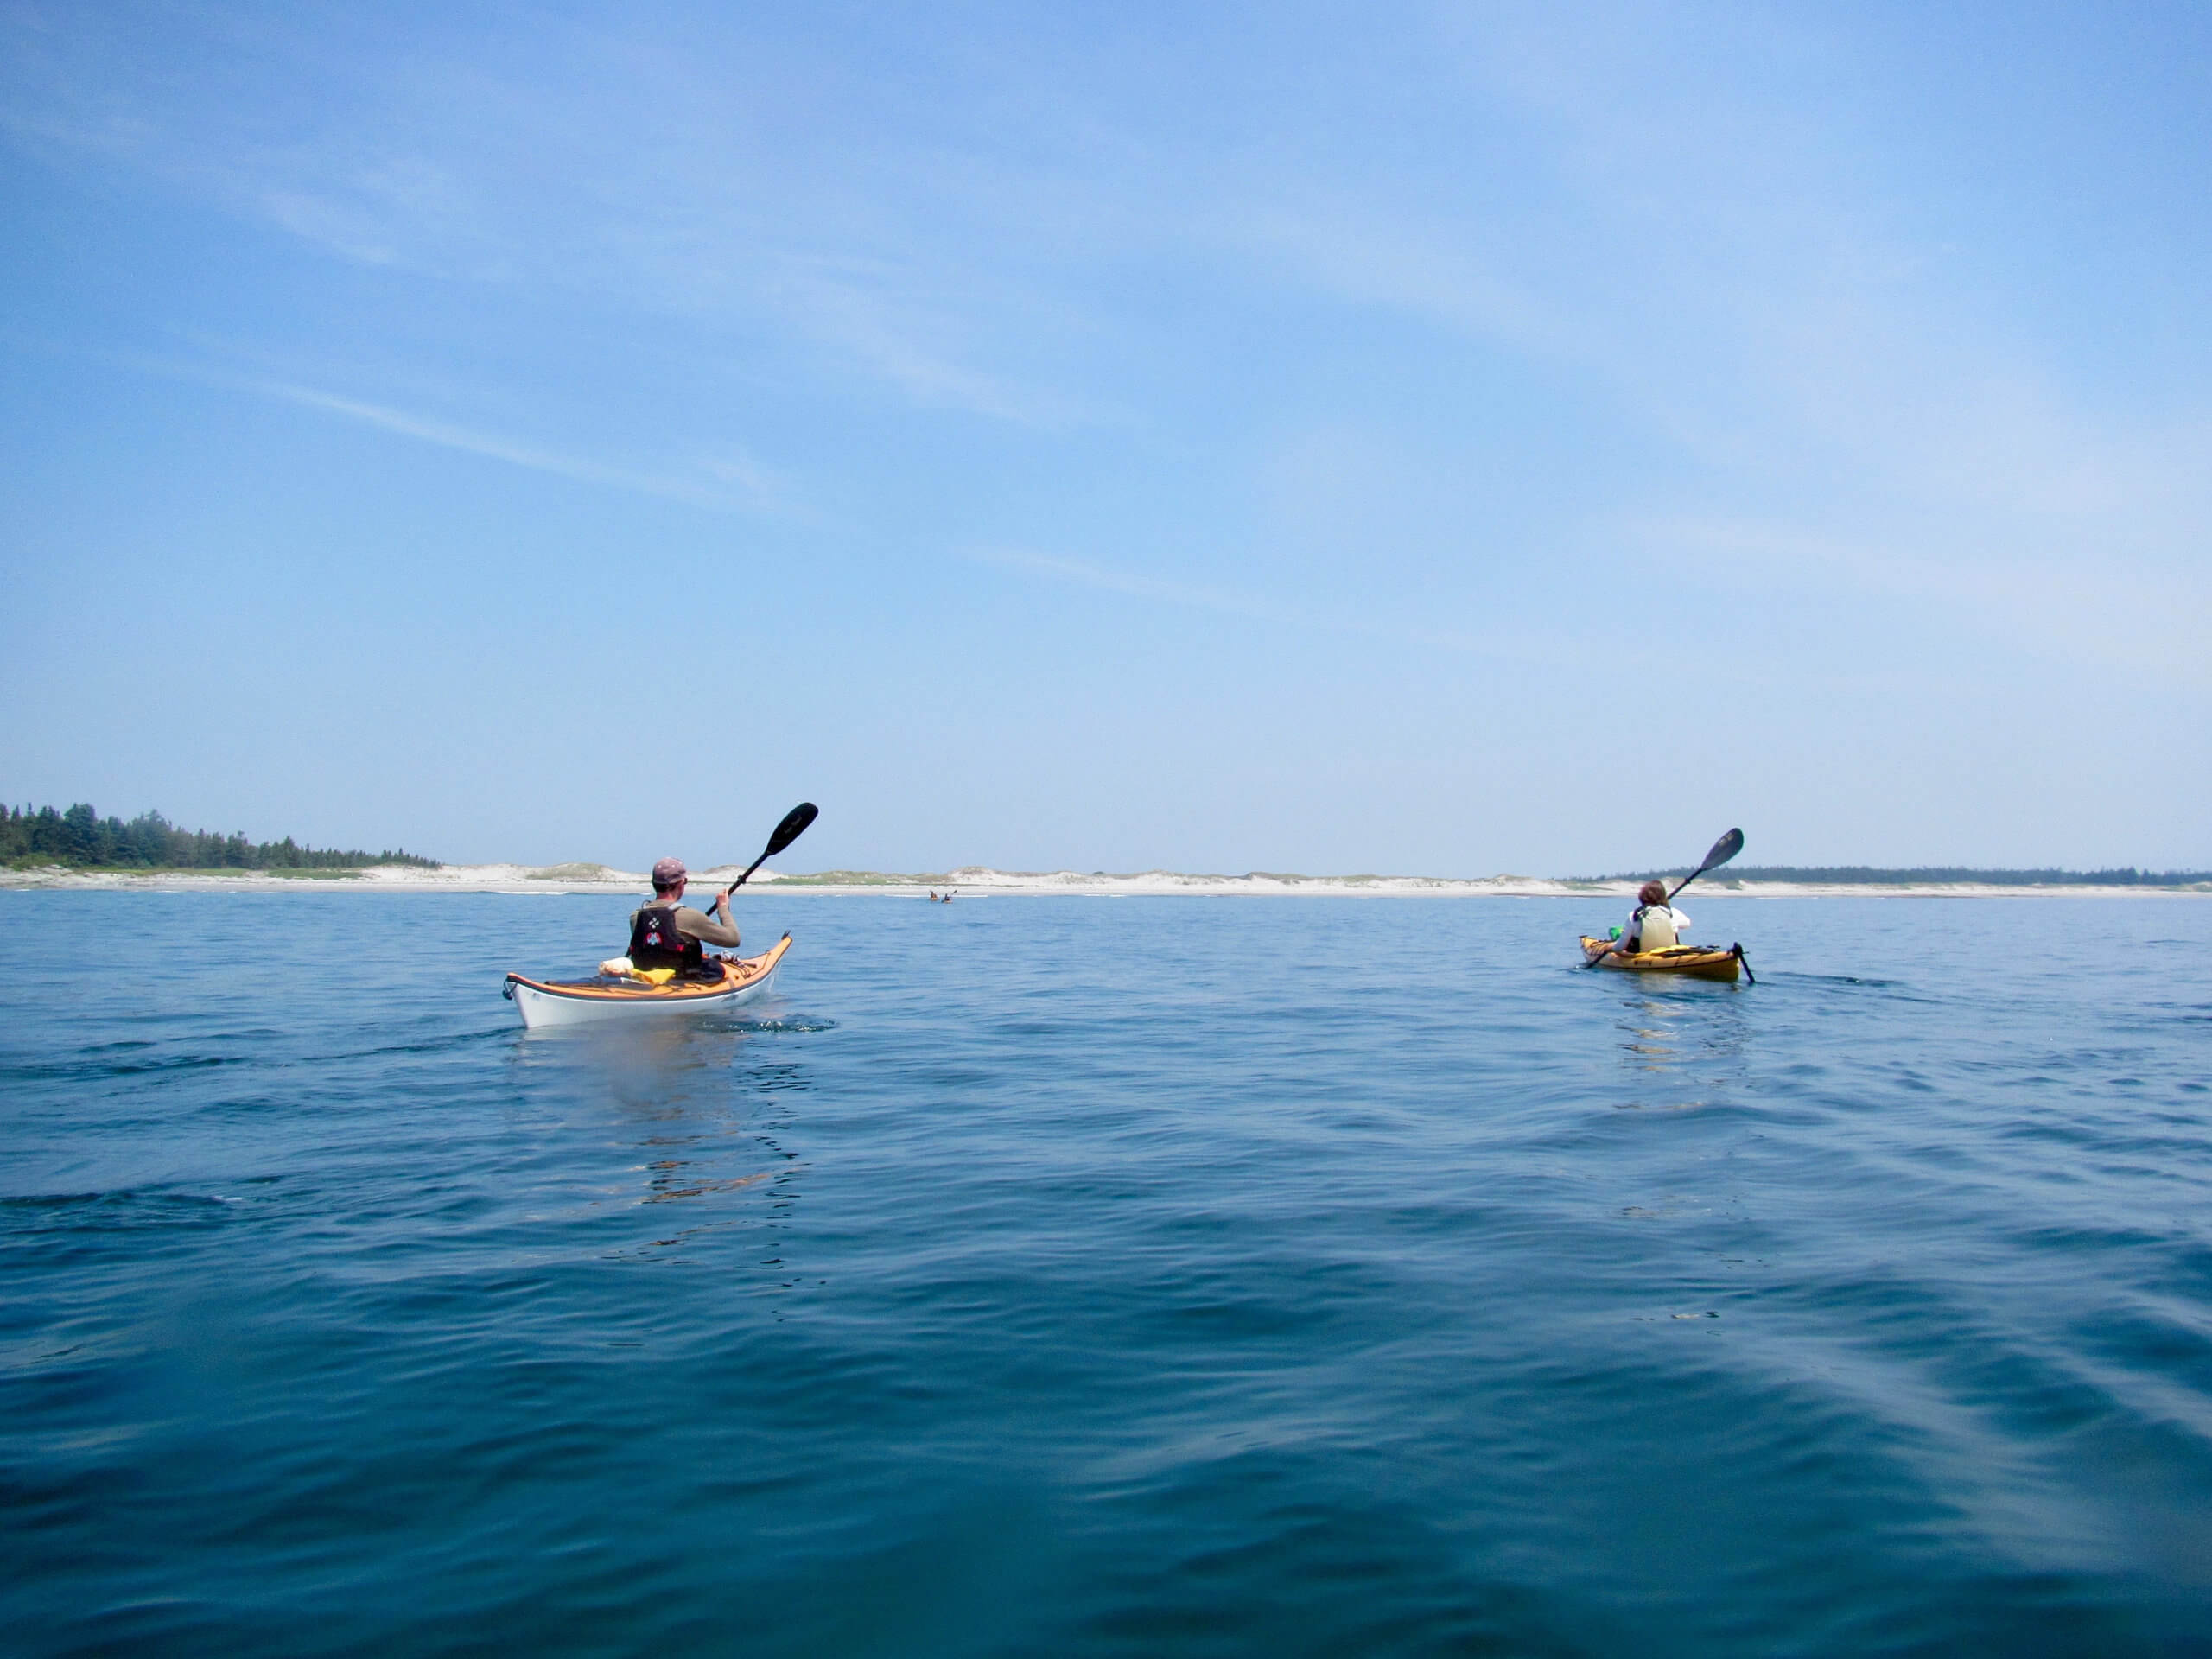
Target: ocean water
(1073,1276)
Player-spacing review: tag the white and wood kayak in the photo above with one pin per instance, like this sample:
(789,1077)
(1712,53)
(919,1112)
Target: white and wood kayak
(609,996)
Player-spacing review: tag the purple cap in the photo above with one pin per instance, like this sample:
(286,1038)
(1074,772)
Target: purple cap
(669,872)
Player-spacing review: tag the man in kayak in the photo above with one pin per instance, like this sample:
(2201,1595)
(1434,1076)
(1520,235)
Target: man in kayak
(668,934)
(1651,925)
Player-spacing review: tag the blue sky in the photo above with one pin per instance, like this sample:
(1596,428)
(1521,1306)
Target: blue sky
(1441,440)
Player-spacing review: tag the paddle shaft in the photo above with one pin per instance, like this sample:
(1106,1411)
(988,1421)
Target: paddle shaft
(1671,897)
(749,868)
(792,827)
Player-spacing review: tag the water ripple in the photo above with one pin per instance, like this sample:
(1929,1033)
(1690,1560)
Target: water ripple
(1352,1278)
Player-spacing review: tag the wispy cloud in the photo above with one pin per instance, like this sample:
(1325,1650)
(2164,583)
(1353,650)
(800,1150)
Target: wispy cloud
(1333,612)
(727,479)
(2069,605)
(642,190)
(1372,256)
(881,316)
(448,435)
(1189,595)
(1716,255)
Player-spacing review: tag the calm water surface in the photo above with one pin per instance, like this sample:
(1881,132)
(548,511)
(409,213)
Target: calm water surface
(1085,1276)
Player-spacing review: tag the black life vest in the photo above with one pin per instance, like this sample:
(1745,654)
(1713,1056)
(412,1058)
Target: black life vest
(655,943)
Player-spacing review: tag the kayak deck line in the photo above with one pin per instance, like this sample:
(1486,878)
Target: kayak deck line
(554,1002)
(1689,961)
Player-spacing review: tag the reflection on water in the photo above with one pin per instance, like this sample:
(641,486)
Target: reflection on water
(693,1111)
(1650,1046)
(1680,1034)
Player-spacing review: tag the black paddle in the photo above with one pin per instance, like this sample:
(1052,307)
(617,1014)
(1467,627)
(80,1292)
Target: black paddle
(792,827)
(1723,850)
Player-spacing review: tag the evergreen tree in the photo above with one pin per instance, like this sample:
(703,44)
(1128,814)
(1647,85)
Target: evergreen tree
(81,839)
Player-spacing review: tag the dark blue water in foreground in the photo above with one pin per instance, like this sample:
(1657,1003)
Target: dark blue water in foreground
(1077,1276)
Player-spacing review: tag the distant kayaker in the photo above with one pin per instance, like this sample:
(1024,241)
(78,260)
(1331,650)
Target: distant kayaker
(1651,925)
(668,934)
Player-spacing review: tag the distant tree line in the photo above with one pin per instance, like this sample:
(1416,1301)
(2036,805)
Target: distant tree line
(83,839)
(1861,875)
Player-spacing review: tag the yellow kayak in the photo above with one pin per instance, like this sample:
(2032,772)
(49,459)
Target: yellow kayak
(1691,961)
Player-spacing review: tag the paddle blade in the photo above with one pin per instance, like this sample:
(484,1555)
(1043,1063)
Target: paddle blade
(1723,850)
(795,822)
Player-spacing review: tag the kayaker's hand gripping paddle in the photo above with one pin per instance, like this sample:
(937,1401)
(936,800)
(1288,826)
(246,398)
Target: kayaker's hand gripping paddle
(1723,850)
(792,827)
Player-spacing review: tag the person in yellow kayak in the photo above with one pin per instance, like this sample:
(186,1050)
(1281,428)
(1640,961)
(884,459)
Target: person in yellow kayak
(668,934)
(1652,926)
